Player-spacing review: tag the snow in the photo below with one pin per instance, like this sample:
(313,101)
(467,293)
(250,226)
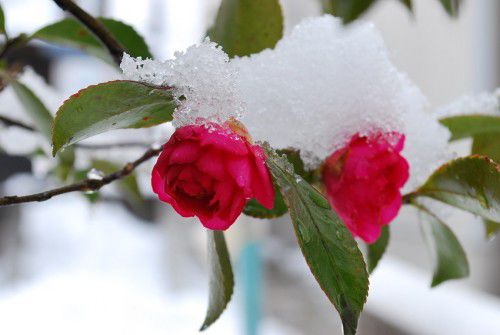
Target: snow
(204,82)
(319,86)
(482,103)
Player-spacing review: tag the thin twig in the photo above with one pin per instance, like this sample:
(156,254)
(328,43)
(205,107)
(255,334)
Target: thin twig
(14,123)
(99,146)
(114,47)
(84,185)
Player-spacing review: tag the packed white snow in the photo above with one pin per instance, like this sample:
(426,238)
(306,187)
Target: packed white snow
(482,103)
(319,86)
(203,79)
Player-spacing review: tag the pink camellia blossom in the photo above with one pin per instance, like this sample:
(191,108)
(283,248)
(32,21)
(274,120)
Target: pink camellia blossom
(363,182)
(211,171)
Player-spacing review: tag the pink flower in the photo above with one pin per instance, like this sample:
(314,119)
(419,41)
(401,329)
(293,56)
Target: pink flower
(363,182)
(211,171)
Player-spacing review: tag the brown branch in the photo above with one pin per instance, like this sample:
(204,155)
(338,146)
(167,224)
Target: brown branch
(114,47)
(84,185)
(14,123)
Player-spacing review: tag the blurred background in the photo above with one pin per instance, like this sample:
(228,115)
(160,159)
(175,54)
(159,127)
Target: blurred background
(71,266)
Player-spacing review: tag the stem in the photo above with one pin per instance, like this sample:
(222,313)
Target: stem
(14,123)
(95,26)
(84,185)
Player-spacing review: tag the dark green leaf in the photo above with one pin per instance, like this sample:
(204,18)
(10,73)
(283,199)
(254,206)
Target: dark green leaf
(328,247)
(470,183)
(128,186)
(451,6)
(377,249)
(451,261)
(72,33)
(112,105)
(255,209)
(221,277)
(348,10)
(408,4)
(470,125)
(2,21)
(41,117)
(244,27)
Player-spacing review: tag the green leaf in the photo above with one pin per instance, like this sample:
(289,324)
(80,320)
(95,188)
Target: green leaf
(487,145)
(463,126)
(244,27)
(128,186)
(112,105)
(451,6)
(71,33)
(328,247)
(255,209)
(451,261)
(471,183)
(492,228)
(221,277)
(42,119)
(2,21)
(348,10)
(376,250)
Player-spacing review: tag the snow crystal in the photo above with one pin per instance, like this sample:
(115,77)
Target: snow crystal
(203,80)
(483,103)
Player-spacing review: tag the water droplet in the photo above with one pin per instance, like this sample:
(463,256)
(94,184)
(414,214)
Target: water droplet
(95,174)
(339,235)
(303,232)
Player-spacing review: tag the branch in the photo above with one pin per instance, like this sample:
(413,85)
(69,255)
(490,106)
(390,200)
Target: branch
(14,123)
(95,26)
(84,185)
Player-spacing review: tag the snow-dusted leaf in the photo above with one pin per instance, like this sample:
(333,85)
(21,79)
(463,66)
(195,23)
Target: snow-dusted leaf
(451,260)
(348,10)
(471,183)
(221,277)
(376,250)
(462,126)
(71,33)
(111,105)
(244,27)
(328,247)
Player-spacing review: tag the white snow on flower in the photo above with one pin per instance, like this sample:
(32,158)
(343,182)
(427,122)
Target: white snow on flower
(320,85)
(324,82)
(482,103)
(204,82)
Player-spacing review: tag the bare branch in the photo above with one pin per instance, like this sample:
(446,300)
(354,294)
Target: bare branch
(84,185)
(114,47)
(14,123)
